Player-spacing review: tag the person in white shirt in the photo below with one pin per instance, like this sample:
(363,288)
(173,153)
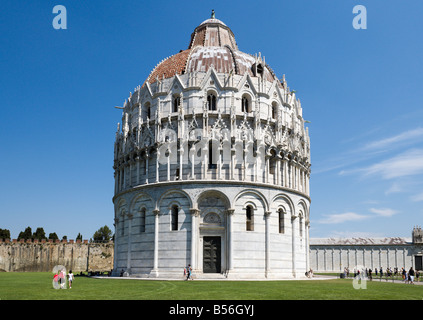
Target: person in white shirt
(70,275)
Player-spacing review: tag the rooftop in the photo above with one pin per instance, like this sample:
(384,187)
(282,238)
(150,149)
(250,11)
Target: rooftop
(360,241)
(212,44)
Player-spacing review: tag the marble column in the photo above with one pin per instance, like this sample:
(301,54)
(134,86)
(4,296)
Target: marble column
(294,243)
(117,239)
(230,213)
(155,271)
(307,226)
(267,243)
(147,156)
(195,213)
(128,261)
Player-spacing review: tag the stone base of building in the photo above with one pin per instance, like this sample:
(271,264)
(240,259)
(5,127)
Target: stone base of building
(228,275)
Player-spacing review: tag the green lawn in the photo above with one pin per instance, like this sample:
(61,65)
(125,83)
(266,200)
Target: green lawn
(38,286)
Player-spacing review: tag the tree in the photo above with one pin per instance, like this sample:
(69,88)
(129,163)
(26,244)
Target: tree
(53,236)
(79,236)
(103,234)
(27,234)
(4,234)
(39,234)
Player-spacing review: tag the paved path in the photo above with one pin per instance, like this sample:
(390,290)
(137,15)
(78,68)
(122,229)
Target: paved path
(205,278)
(222,278)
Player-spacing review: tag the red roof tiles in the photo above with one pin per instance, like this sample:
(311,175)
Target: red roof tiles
(212,43)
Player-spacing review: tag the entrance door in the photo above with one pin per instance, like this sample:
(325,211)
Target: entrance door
(211,254)
(418,263)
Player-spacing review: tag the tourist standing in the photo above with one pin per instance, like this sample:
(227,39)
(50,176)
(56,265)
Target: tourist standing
(56,281)
(70,275)
(411,275)
(62,279)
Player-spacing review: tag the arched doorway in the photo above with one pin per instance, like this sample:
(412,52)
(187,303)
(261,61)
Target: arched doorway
(212,259)
(212,250)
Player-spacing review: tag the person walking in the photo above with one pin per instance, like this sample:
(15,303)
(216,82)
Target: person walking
(189,271)
(411,275)
(62,279)
(56,281)
(70,280)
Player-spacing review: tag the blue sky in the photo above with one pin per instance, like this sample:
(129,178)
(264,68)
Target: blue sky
(361,90)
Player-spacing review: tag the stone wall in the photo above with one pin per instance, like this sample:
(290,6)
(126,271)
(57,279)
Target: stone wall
(333,255)
(44,255)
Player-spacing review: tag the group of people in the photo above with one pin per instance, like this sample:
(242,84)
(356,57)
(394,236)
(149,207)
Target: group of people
(59,279)
(407,276)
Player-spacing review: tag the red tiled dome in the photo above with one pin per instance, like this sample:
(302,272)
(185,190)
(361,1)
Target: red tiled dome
(212,43)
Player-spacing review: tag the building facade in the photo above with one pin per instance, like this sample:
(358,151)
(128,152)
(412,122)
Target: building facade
(212,167)
(333,255)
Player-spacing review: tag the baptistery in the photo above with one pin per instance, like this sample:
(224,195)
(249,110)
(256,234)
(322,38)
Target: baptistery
(212,167)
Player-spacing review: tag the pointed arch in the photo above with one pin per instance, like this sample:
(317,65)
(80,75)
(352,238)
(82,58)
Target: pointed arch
(246,79)
(211,75)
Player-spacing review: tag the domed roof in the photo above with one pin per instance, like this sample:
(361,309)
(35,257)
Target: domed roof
(212,20)
(212,44)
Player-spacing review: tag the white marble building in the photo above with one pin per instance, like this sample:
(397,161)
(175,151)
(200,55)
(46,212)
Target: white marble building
(335,254)
(212,167)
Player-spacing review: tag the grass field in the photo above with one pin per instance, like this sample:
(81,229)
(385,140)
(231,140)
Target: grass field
(38,286)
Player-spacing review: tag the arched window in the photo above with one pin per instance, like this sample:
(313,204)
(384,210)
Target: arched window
(274,110)
(272,162)
(146,111)
(246,104)
(249,215)
(142,220)
(211,102)
(260,69)
(176,103)
(174,217)
(281,216)
(212,164)
(257,69)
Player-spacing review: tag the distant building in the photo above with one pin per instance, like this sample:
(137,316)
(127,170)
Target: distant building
(333,255)
(212,167)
